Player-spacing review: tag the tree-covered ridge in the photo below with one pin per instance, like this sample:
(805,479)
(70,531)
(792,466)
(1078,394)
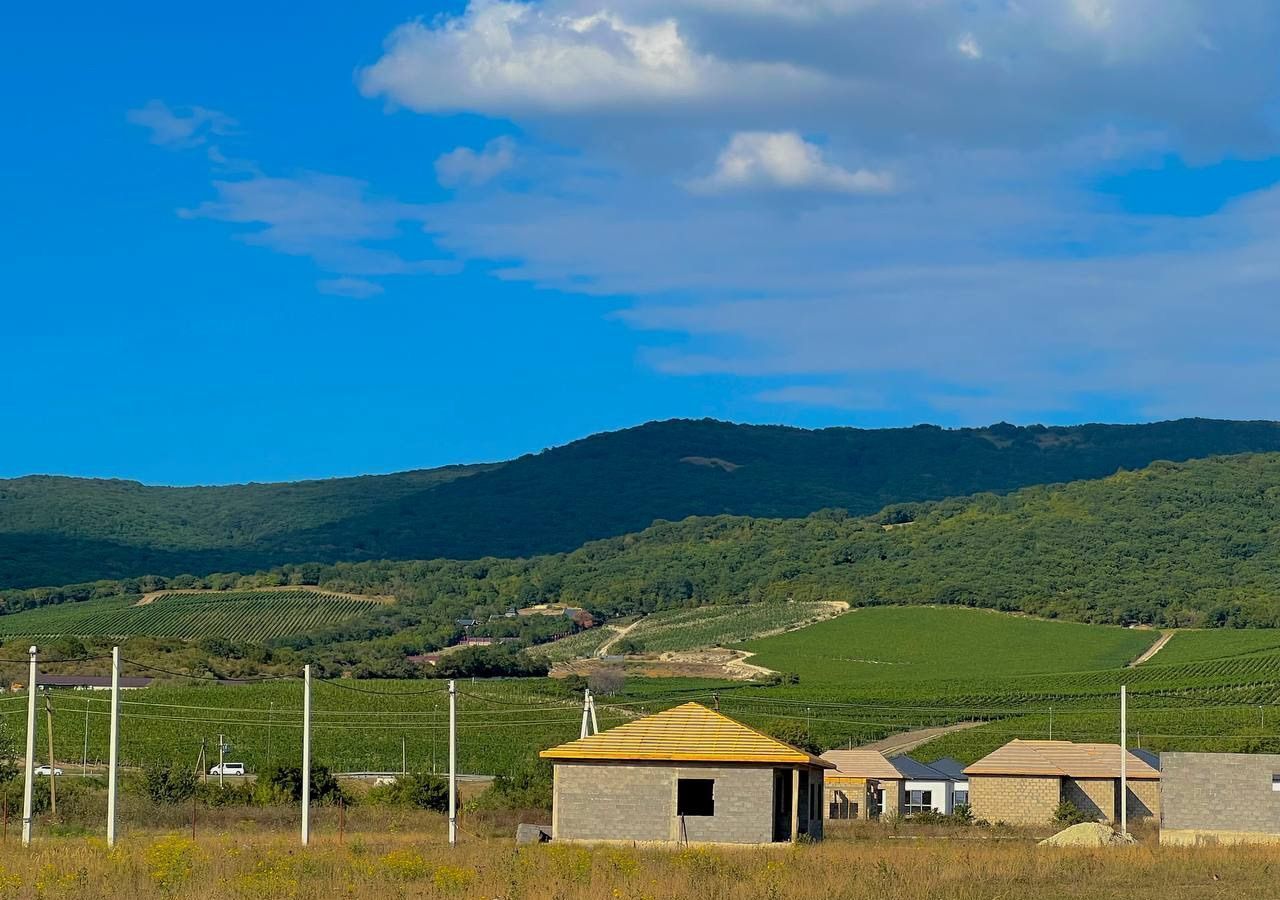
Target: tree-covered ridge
(1173,544)
(64,530)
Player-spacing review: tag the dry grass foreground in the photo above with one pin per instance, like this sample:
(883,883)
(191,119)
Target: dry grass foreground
(271,865)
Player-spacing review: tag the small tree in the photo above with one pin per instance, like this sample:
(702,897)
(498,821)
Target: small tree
(1068,813)
(167,783)
(607,681)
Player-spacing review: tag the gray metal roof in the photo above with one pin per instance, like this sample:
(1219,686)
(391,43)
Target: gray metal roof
(916,771)
(950,767)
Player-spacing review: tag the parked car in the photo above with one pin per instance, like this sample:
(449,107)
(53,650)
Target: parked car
(47,770)
(228,769)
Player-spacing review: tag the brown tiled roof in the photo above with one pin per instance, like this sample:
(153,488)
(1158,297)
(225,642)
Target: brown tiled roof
(862,764)
(686,733)
(1062,758)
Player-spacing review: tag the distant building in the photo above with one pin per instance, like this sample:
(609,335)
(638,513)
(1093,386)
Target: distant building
(465,623)
(932,787)
(1219,798)
(1023,782)
(864,785)
(686,775)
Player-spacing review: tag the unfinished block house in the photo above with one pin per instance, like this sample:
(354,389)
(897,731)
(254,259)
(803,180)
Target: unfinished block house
(1219,798)
(1023,782)
(686,775)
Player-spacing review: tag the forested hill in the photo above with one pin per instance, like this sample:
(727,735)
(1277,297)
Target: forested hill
(62,530)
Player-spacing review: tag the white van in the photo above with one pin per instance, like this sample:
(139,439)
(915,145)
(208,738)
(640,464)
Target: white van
(228,769)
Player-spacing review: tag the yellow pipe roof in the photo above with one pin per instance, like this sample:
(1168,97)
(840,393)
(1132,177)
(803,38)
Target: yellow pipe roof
(686,733)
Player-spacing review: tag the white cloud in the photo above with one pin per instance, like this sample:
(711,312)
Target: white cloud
(883,72)
(500,57)
(357,288)
(463,165)
(181,127)
(332,219)
(968,46)
(822,395)
(786,161)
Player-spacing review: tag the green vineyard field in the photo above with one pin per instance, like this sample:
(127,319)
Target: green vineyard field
(237,615)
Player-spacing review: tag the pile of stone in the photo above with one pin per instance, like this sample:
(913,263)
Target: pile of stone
(1088,834)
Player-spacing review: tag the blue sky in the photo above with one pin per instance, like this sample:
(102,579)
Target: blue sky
(251,245)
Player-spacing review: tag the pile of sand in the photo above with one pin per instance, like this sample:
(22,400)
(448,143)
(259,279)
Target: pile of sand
(1087,834)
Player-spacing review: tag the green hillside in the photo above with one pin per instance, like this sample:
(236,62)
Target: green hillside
(903,644)
(234,615)
(57,530)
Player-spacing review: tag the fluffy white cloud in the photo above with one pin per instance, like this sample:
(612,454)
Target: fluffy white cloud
(878,71)
(182,127)
(512,56)
(463,165)
(784,160)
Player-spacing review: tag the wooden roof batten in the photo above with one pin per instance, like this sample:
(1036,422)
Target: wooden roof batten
(687,733)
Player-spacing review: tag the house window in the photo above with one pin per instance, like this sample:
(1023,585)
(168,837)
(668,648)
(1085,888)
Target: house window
(959,798)
(919,801)
(695,797)
(1275,782)
(841,807)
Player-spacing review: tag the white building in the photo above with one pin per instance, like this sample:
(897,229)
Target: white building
(939,786)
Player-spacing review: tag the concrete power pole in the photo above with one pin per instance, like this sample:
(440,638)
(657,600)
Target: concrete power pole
(453,764)
(113,749)
(28,783)
(53,770)
(306,755)
(1124,763)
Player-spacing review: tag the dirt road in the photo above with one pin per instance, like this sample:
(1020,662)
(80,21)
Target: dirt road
(910,740)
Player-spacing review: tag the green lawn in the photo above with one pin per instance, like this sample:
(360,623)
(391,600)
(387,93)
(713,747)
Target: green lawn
(889,644)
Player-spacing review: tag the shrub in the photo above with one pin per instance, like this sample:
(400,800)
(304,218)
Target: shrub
(526,788)
(1068,813)
(420,790)
(168,783)
(286,782)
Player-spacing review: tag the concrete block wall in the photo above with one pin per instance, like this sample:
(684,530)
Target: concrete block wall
(1144,798)
(637,802)
(1218,794)
(1095,797)
(1014,799)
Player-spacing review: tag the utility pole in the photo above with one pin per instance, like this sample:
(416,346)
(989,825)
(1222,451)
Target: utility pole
(404,757)
(453,762)
(271,710)
(222,752)
(53,771)
(595,726)
(113,749)
(29,781)
(1050,723)
(1124,763)
(84,760)
(586,711)
(306,755)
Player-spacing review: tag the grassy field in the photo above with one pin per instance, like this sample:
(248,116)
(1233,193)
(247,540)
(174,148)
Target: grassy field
(1194,645)
(356,726)
(238,615)
(908,643)
(1021,677)
(381,864)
